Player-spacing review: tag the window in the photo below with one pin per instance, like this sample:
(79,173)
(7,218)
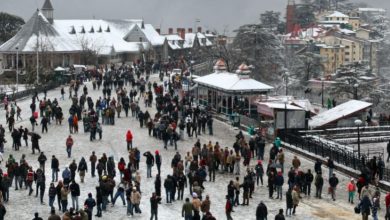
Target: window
(346,53)
(346,60)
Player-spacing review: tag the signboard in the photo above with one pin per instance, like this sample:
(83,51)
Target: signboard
(295,119)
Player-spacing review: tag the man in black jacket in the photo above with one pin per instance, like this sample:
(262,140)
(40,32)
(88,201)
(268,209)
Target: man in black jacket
(75,193)
(154,200)
(261,211)
(54,168)
(333,182)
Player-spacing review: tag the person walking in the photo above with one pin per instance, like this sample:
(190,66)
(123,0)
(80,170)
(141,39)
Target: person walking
(261,211)
(75,193)
(82,169)
(333,182)
(296,198)
(136,200)
(149,163)
(92,160)
(330,164)
(89,203)
(319,183)
(158,161)
(289,202)
(365,206)
(279,180)
(69,145)
(351,188)
(54,168)
(280,215)
(129,140)
(228,208)
(52,195)
(187,210)
(53,215)
(154,201)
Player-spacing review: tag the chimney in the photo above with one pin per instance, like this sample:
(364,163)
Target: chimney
(178,30)
(183,33)
(170,31)
(158,30)
(207,32)
(189,30)
(200,29)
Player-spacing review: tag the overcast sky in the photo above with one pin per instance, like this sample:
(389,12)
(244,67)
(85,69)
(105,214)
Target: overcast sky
(213,14)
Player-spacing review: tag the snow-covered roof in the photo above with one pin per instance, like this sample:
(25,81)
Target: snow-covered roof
(343,110)
(232,82)
(278,105)
(104,36)
(333,22)
(191,37)
(381,10)
(337,14)
(346,31)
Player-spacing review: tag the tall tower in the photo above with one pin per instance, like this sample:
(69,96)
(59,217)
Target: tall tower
(47,11)
(290,16)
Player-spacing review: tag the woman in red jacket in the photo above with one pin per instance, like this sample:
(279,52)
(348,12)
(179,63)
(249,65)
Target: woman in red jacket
(129,140)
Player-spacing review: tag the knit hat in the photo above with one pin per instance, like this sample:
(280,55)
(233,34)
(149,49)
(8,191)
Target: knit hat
(194,195)
(157,152)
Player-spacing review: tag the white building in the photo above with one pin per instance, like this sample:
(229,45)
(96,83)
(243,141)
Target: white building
(62,42)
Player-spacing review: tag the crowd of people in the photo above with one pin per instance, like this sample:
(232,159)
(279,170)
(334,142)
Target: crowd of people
(175,119)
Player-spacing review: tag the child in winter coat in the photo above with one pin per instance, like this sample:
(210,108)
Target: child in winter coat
(351,187)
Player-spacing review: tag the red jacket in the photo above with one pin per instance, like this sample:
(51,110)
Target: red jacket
(129,136)
(387,200)
(69,142)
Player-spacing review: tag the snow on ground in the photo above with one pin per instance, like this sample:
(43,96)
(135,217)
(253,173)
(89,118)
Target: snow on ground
(22,206)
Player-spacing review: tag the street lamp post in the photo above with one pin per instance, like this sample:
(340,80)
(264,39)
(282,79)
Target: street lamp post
(17,68)
(358,122)
(322,92)
(285,119)
(355,86)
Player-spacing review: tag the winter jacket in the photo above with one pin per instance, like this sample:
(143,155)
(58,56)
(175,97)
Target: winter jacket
(54,217)
(135,197)
(333,181)
(295,197)
(365,205)
(319,181)
(74,189)
(279,180)
(261,212)
(52,191)
(129,136)
(205,206)
(187,209)
(279,217)
(90,203)
(351,187)
(64,194)
(154,202)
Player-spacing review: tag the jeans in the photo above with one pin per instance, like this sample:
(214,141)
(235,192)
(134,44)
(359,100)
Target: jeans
(17,182)
(119,194)
(180,194)
(153,213)
(259,177)
(318,192)
(129,208)
(64,204)
(105,201)
(93,165)
(136,208)
(6,194)
(168,195)
(99,209)
(51,201)
(75,199)
(149,170)
(69,151)
(54,175)
(158,168)
(279,192)
(129,145)
(188,217)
